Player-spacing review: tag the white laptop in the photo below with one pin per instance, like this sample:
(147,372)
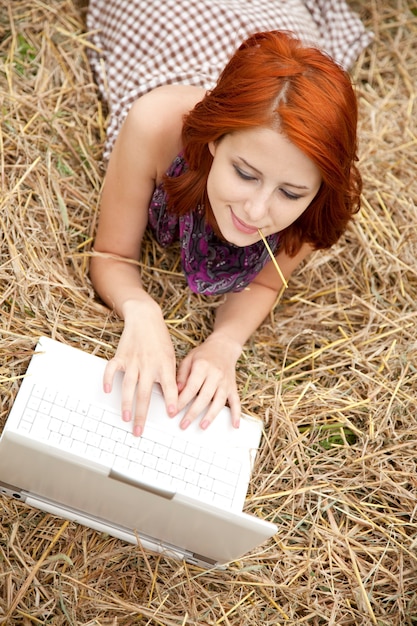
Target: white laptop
(65,450)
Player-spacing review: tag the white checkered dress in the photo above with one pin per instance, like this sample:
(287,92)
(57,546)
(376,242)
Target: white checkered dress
(143,44)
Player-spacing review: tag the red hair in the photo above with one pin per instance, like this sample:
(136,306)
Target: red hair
(274,81)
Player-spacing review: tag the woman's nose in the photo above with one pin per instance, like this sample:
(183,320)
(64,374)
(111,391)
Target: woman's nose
(257,207)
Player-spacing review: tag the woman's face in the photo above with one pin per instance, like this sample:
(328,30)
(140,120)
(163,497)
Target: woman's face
(258,180)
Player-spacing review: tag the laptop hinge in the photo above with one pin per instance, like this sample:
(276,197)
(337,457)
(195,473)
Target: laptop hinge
(204,559)
(145,486)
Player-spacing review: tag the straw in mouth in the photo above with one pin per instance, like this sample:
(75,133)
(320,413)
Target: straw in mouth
(273,259)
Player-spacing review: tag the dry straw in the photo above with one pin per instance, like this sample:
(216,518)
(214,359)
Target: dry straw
(273,259)
(333,371)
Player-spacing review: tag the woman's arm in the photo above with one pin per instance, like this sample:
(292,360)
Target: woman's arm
(209,369)
(148,141)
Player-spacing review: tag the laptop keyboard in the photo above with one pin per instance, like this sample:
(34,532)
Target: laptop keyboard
(158,457)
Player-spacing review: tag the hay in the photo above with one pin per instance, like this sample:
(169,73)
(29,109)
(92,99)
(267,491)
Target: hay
(332,371)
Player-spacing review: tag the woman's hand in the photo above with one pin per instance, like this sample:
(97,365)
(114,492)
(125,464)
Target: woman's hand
(146,355)
(207,377)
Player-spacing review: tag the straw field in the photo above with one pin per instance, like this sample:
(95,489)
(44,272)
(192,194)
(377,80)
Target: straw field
(332,372)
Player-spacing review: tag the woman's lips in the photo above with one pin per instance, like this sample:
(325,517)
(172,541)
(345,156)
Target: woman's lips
(242,226)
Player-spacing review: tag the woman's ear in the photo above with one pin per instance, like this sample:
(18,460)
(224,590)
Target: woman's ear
(212,148)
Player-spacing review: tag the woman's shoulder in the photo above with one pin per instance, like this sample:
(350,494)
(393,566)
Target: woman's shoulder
(163,108)
(158,115)
(184,96)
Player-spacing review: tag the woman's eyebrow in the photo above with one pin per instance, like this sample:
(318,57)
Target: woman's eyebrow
(252,167)
(296,186)
(286,184)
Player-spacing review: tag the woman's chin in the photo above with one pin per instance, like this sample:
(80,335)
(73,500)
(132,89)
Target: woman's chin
(241,240)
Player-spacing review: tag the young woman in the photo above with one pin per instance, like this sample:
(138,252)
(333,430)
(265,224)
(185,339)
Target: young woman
(267,154)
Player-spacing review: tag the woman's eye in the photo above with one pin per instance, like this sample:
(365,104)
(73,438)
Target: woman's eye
(243,174)
(289,195)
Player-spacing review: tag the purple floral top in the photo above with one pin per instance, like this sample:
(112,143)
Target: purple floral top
(211,265)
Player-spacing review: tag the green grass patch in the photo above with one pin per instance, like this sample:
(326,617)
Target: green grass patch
(331,435)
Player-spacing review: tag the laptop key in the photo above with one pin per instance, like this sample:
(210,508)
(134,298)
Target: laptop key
(95,412)
(163,466)
(206,483)
(54,438)
(192,450)
(107,458)
(45,407)
(149,461)
(79,447)
(192,491)
(104,429)
(29,415)
(150,474)
(206,455)
(118,435)
(93,452)
(146,446)
(223,489)
(135,455)
(121,450)
(76,419)
(61,399)
(90,424)
(191,477)
(174,456)
(178,472)
(79,434)
(120,464)
(66,429)
(33,403)
(60,412)
(107,445)
(55,424)
(160,451)
(25,426)
(37,391)
(49,395)
(207,495)
(93,440)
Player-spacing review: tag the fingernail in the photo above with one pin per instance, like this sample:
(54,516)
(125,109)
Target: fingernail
(172,410)
(107,388)
(126,416)
(204,424)
(185,424)
(137,430)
